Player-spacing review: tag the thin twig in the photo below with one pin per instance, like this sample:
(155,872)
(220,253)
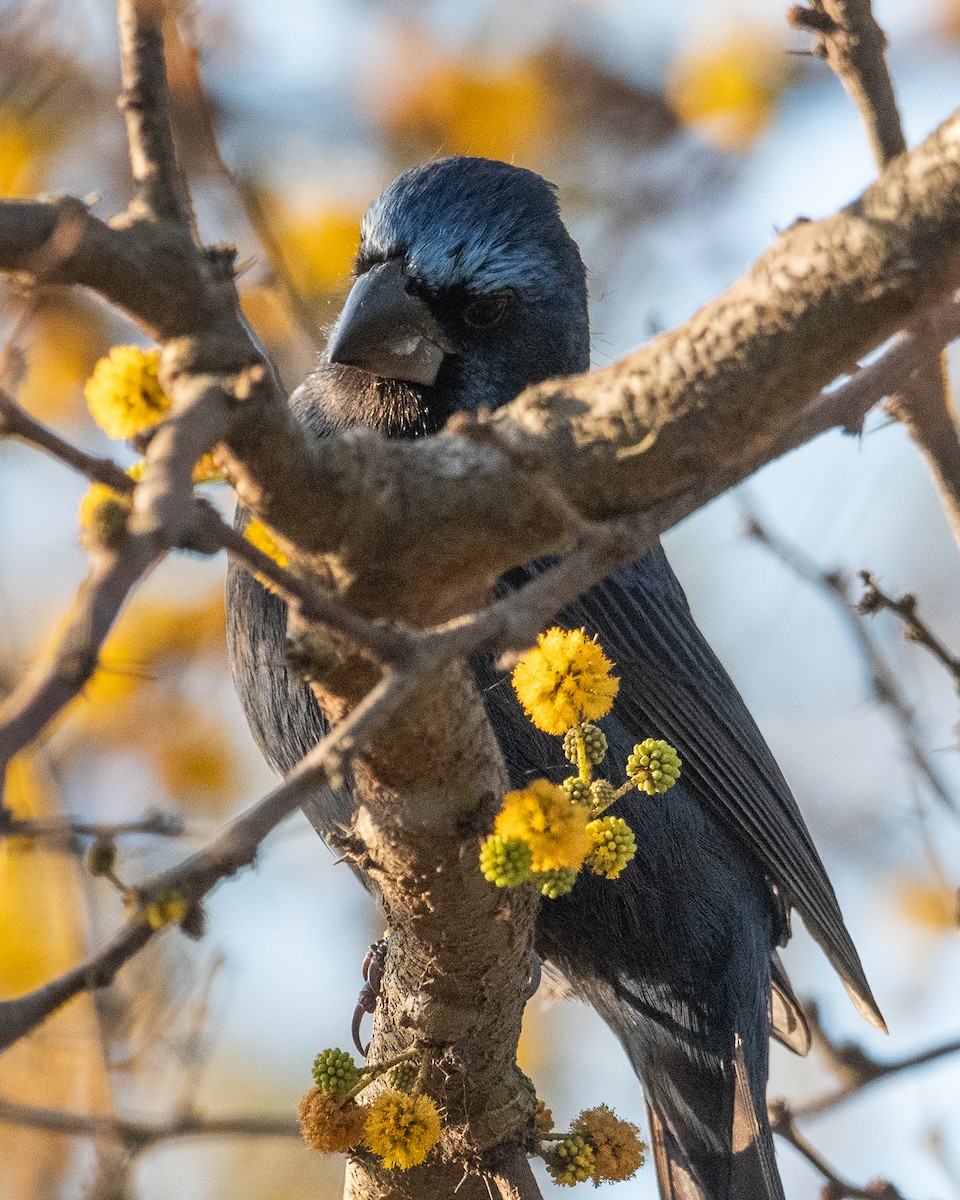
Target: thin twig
(883,681)
(67,830)
(854,45)
(141,1135)
(57,680)
(915,630)
(233,849)
(782,1123)
(855,1068)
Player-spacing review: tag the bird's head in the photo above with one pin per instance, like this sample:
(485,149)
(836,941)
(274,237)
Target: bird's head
(468,288)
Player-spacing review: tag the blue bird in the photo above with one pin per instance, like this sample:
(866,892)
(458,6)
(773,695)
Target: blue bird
(468,289)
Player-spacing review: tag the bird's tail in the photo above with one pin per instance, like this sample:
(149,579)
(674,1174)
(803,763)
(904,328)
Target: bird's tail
(747,1172)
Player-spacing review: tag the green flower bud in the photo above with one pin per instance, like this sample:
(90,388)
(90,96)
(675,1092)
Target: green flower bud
(554,884)
(655,765)
(613,846)
(570,1160)
(505,861)
(578,791)
(404,1075)
(602,794)
(594,742)
(101,857)
(335,1071)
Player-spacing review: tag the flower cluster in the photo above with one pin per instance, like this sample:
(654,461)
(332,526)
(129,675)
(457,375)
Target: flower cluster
(401,1126)
(599,1146)
(554,829)
(544,833)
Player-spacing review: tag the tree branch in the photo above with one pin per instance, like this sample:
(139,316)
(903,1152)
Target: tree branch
(161,191)
(854,45)
(138,1136)
(856,1069)
(54,682)
(883,681)
(234,848)
(874,599)
(782,1122)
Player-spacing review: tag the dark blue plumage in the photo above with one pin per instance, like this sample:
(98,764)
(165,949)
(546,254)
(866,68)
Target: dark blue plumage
(469,288)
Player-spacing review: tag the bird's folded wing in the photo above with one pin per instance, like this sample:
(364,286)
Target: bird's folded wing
(673,686)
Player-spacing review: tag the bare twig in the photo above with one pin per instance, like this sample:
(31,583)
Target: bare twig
(234,848)
(856,1069)
(67,831)
(915,630)
(162,192)
(138,1136)
(782,1122)
(47,690)
(854,45)
(883,681)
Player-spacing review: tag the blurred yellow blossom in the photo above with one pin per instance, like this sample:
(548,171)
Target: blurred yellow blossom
(929,904)
(729,90)
(463,104)
(124,394)
(319,247)
(67,336)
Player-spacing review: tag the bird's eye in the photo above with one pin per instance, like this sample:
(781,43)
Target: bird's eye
(487,311)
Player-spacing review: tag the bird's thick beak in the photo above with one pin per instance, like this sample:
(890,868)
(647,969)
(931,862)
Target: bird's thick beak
(386,331)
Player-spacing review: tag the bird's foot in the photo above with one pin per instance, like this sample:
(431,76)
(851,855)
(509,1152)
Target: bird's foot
(374,962)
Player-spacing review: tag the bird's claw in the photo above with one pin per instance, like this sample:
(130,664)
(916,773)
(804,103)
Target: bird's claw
(374,962)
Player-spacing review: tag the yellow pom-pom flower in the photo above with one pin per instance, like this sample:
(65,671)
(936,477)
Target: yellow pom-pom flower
(330,1123)
(543,1119)
(259,535)
(570,1160)
(168,907)
(613,846)
(618,1152)
(124,393)
(565,679)
(554,828)
(402,1129)
(655,766)
(102,517)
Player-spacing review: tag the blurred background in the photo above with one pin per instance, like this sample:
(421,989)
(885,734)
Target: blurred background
(682,137)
